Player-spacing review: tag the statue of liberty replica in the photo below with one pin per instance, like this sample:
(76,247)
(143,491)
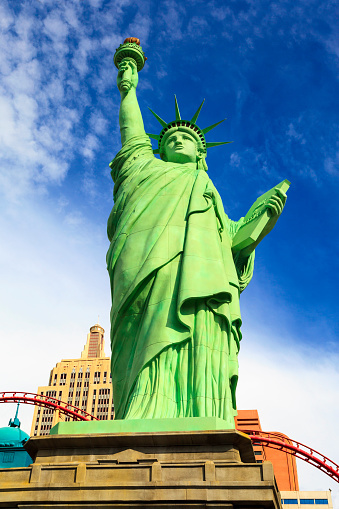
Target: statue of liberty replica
(177,266)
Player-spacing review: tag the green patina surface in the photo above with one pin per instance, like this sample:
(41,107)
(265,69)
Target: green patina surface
(177,266)
(140,426)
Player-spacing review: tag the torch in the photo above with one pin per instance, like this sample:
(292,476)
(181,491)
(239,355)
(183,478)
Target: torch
(129,50)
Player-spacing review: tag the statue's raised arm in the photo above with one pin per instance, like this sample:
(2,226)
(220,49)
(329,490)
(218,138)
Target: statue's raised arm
(129,59)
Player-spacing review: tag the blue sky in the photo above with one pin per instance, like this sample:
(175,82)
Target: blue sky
(271,68)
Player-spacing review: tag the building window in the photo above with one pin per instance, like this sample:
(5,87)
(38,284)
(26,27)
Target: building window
(321,501)
(307,501)
(105,377)
(63,377)
(55,379)
(290,501)
(96,377)
(8,457)
(257,453)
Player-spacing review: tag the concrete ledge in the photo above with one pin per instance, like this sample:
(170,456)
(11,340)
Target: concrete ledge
(230,445)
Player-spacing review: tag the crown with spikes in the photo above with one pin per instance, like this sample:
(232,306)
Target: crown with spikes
(190,124)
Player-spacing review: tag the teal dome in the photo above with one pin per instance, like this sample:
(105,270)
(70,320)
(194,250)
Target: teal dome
(11,436)
(12,440)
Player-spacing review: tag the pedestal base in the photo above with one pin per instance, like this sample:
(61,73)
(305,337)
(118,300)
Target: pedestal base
(196,469)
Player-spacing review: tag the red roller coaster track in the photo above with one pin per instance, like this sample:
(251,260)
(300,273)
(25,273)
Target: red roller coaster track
(46,401)
(297,449)
(289,446)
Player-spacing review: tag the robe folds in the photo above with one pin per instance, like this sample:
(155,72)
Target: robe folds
(175,286)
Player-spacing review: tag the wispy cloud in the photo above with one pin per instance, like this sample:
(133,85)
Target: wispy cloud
(47,85)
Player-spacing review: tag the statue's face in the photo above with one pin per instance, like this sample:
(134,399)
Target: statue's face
(181,147)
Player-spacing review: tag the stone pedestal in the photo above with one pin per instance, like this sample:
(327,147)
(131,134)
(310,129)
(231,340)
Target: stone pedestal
(195,469)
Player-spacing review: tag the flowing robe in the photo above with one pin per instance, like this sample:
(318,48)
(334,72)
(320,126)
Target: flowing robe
(175,317)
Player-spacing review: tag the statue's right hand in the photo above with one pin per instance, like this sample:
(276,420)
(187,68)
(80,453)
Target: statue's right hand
(127,75)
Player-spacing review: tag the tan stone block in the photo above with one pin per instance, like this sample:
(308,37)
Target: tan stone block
(55,475)
(14,476)
(185,473)
(80,475)
(209,471)
(156,474)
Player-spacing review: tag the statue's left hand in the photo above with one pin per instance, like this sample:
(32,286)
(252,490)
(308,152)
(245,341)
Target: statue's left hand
(276,204)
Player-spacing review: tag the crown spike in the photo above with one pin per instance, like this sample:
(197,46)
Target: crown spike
(215,144)
(154,136)
(177,112)
(210,127)
(160,120)
(196,115)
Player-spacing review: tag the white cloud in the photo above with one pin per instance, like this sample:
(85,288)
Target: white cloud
(90,144)
(171,20)
(6,18)
(55,27)
(293,134)
(331,165)
(86,47)
(98,123)
(74,219)
(141,27)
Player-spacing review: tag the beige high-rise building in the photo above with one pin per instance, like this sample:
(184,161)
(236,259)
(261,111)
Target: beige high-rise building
(85,383)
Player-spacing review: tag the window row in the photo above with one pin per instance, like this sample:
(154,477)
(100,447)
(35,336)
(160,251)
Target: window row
(305,501)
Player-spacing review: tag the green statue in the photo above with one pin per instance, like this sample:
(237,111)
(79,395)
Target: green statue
(177,266)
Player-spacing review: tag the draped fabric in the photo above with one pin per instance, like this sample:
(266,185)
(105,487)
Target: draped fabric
(175,317)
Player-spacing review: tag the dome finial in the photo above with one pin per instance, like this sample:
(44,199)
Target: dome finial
(15,423)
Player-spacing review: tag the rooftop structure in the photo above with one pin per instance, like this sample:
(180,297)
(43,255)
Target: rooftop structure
(84,382)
